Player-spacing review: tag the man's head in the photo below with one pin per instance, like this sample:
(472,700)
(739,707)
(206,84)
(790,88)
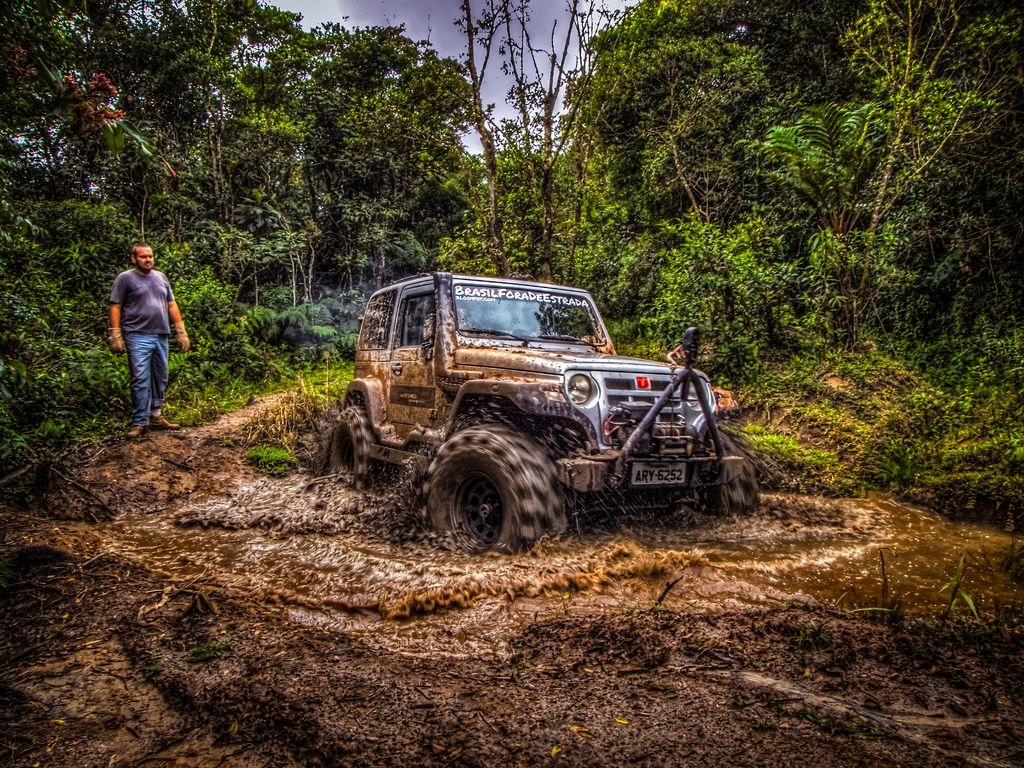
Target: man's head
(142,257)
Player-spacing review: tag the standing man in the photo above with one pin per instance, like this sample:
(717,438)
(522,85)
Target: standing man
(142,309)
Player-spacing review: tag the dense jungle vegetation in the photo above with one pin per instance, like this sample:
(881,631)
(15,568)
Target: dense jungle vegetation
(832,190)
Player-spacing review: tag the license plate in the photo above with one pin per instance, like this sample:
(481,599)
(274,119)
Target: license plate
(651,473)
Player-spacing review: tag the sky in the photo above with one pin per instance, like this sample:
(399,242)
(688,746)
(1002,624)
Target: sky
(431,20)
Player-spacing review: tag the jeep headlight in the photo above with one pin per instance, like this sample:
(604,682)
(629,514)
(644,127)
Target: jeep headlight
(580,388)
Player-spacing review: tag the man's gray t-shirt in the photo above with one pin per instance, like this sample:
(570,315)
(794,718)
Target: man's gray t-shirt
(143,301)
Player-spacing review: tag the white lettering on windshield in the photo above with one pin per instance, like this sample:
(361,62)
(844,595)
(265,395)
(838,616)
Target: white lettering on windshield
(470,293)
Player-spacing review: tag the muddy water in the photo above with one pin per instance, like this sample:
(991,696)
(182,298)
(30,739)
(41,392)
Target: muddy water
(367,562)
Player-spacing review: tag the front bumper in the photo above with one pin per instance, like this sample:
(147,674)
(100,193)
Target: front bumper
(597,473)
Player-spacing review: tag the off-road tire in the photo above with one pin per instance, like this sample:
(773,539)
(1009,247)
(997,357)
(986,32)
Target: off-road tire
(349,448)
(494,488)
(741,495)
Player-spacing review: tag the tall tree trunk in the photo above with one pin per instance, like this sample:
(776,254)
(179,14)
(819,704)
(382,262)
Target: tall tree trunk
(540,74)
(485,36)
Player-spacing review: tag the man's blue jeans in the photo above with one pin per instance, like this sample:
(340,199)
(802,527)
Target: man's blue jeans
(147,362)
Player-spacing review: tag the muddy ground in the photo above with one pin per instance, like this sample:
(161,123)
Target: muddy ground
(104,663)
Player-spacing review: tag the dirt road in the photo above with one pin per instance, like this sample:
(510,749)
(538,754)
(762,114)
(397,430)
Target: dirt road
(106,663)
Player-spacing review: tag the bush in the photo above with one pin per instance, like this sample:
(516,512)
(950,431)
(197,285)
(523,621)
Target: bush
(731,285)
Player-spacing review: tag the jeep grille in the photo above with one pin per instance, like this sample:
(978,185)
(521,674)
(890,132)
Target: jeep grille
(624,391)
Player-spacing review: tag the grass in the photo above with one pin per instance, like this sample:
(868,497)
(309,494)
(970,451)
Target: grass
(971,627)
(957,594)
(208,652)
(798,467)
(275,434)
(271,459)
(889,608)
(812,637)
(152,669)
(191,405)
(1013,561)
(282,421)
(847,423)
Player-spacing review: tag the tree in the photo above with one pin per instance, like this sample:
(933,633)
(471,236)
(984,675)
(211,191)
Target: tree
(383,140)
(909,52)
(828,158)
(483,32)
(541,74)
(675,107)
(946,77)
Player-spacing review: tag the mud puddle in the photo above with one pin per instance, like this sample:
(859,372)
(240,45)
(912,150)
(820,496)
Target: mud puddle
(367,562)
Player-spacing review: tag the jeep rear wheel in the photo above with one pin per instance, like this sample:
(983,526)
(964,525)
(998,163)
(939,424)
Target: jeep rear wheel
(494,488)
(349,455)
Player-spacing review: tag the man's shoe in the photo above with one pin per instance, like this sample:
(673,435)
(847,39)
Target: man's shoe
(159,422)
(136,432)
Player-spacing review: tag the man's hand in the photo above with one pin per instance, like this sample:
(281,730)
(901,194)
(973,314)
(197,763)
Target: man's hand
(115,340)
(183,343)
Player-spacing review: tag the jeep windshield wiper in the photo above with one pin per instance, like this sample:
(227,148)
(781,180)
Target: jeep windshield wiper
(494,332)
(566,337)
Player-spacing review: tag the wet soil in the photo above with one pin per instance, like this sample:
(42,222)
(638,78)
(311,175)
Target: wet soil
(108,661)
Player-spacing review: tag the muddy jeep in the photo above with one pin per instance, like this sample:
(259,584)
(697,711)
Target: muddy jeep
(509,396)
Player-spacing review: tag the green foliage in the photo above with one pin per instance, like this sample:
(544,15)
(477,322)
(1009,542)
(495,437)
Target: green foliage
(292,413)
(956,591)
(889,608)
(672,110)
(271,459)
(946,97)
(866,420)
(208,652)
(52,374)
(383,137)
(13,378)
(812,637)
(152,669)
(1013,561)
(255,215)
(311,330)
(726,284)
(828,158)
(891,182)
(466,252)
(808,469)
(889,604)
(58,382)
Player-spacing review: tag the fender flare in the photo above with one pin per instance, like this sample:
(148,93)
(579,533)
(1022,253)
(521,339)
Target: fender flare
(544,399)
(372,395)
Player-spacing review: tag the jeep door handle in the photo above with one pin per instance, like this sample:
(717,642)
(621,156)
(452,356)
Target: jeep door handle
(396,368)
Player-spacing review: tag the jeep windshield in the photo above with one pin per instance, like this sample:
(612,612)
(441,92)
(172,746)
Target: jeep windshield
(529,313)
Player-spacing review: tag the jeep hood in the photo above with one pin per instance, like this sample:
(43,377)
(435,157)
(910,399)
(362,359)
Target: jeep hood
(539,360)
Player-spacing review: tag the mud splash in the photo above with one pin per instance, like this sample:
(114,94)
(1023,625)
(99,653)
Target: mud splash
(337,556)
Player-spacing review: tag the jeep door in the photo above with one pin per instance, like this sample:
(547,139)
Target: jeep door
(373,352)
(412,394)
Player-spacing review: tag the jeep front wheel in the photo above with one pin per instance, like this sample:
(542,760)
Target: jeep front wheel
(349,455)
(494,488)
(740,495)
